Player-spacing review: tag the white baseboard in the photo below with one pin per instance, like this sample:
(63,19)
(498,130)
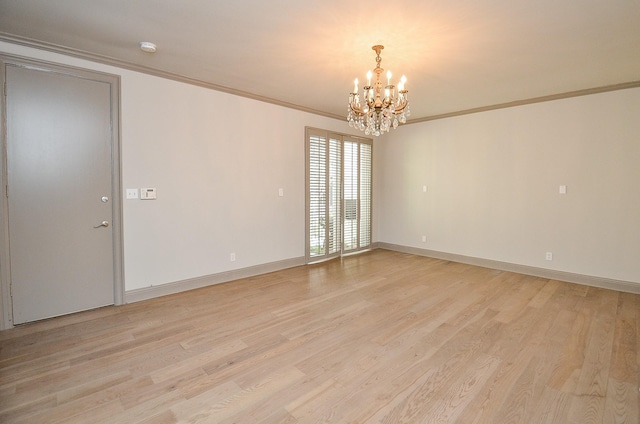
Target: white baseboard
(146,293)
(588,280)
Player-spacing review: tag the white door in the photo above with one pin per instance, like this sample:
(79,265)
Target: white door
(59,192)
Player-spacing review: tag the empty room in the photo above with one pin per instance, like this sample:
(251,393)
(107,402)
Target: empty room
(320,212)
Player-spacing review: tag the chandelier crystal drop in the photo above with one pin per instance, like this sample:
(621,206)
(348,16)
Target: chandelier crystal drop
(381,107)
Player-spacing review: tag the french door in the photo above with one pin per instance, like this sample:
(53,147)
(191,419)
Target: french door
(338,194)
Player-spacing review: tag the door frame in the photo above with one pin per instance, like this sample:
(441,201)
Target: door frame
(6,302)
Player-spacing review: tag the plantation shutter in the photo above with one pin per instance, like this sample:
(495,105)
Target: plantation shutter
(357,195)
(350,196)
(365,196)
(338,194)
(324,195)
(317,176)
(334,232)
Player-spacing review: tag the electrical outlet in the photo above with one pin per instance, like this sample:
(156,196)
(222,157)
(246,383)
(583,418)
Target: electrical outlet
(424,239)
(232,257)
(549,256)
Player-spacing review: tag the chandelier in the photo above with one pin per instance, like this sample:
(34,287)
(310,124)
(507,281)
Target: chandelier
(378,110)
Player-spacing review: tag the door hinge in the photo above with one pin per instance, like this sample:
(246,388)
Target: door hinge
(4,89)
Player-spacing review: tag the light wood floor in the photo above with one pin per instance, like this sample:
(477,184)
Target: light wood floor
(381,337)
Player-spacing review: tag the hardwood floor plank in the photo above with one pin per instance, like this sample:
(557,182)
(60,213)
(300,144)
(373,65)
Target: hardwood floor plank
(572,352)
(621,404)
(14,412)
(194,362)
(418,384)
(595,368)
(545,294)
(517,349)
(164,417)
(624,364)
(81,415)
(518,405)
(206,408)
(586,409)
(462,392)
(155,406)
(93,386)
(552,407)
(378,337)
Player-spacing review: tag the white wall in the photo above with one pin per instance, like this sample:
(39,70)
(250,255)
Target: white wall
(493,185)
(217,161)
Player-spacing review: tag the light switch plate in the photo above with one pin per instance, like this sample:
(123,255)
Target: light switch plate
(132,193)
(148,194)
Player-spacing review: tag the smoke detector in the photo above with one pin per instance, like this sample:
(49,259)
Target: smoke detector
(148,47)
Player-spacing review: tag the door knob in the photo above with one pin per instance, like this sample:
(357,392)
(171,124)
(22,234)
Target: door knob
(102,224)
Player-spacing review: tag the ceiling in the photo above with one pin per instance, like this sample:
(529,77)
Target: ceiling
(457,55)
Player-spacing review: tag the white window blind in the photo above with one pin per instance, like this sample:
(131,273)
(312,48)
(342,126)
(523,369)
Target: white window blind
(365,195)
(335,196)
(350,163)
(316,187)
(357,195)
(338,194)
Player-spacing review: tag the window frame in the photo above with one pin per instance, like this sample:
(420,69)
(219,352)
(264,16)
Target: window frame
(363,227)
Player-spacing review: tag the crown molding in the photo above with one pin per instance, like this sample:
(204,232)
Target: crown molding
(523,102)
(111,61)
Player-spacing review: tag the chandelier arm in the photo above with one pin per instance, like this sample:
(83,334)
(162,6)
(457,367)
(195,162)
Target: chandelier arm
(402,105)
(357,112)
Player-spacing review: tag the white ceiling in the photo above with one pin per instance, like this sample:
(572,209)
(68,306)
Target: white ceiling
(457,55)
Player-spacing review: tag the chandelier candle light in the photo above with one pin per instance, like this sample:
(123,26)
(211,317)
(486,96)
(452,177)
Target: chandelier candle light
(379,111)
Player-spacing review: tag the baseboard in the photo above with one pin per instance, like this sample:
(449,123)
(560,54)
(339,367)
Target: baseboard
(588,280)
(146,293)
(224,277)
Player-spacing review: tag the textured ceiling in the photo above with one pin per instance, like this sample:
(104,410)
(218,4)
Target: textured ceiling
(457,55)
